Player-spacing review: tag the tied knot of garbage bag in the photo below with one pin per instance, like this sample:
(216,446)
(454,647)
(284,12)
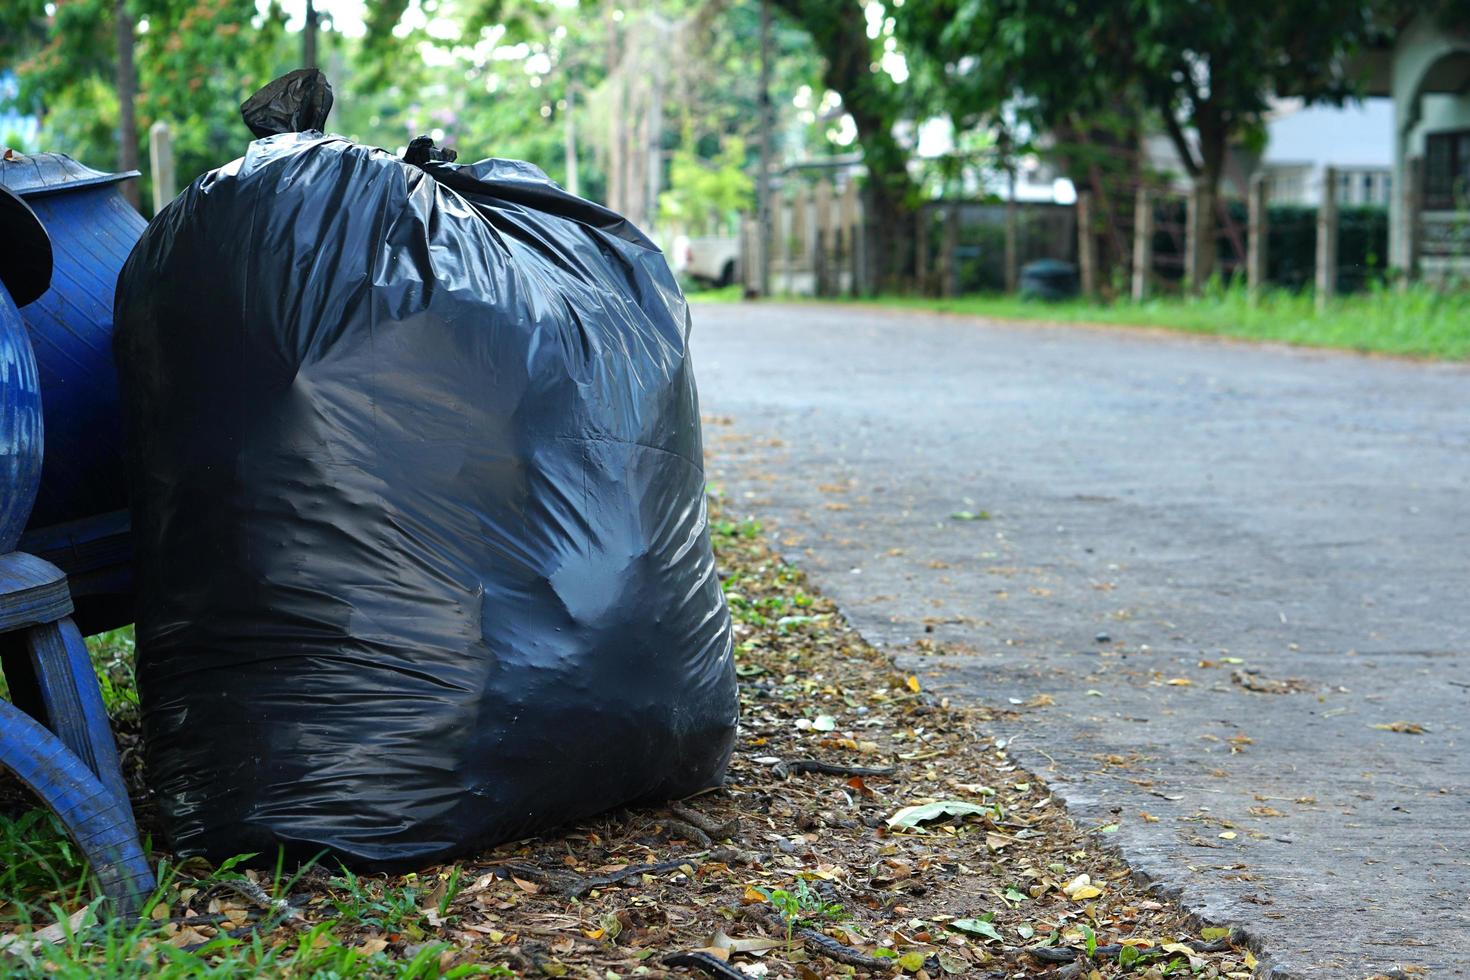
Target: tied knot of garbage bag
(296,102)
(421,150)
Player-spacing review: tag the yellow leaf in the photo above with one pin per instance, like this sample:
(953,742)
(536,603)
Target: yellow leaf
(1179,682)
(594,933)
(752,896)
(1081,888)
(912,962)
(721,953)
(1148,817)
(913,684)
(1402,727)
(1250,960)
(1228,835)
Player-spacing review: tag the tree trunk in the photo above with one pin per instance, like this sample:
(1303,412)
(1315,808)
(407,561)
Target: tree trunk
(127,94)
(840,34)
(616,117)
(308,37)
(1210,125)
(888,250)
(569,142)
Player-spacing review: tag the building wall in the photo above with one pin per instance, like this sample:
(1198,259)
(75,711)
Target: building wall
(1301,183)
(1418,48)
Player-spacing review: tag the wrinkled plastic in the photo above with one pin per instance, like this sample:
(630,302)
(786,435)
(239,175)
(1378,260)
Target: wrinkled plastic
(296,102)
(422,549)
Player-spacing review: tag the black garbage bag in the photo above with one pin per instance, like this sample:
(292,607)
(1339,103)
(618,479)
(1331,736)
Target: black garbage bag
(422,549)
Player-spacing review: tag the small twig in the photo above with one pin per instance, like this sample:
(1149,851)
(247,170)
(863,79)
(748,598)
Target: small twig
(215,918)
(790,767)
(706,962)
(256,894)
(821,943)
(576,886)
(688,831)
(1054,954)
(706,823)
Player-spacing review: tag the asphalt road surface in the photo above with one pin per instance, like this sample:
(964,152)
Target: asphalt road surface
(1199,576)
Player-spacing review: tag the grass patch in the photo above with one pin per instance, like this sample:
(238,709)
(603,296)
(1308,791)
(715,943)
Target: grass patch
(1419,322)
(732,293)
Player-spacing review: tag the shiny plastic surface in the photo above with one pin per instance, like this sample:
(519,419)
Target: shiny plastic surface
(92,229)
(20,425)
(422,545)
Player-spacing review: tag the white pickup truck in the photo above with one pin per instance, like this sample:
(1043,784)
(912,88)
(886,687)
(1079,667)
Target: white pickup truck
(713,259)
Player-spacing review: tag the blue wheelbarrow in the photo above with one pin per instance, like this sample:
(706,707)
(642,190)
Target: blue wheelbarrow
(54,733)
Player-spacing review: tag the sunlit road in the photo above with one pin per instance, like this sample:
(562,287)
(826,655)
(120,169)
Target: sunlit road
(1222,565)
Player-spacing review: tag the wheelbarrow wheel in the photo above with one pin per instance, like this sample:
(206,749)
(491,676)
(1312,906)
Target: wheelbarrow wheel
(99,822)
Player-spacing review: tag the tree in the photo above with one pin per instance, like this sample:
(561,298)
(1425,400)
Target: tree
(1214,70)
(703,195)
(1047,77)
(1202,72)
(98,72)
(839,31)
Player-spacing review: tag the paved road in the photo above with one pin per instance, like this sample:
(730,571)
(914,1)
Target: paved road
(1286,531)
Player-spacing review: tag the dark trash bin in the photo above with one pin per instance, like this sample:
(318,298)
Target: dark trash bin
(1049,279)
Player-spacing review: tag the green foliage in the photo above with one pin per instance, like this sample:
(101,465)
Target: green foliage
(1206,67)
(803,906)
(195,61)
(113,657)
(704,196)
(43,878)
(41,866)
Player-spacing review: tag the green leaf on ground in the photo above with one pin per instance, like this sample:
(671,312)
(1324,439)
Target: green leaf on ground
(978,927)
(912,816)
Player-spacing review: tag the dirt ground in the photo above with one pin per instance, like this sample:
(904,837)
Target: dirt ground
(867,827)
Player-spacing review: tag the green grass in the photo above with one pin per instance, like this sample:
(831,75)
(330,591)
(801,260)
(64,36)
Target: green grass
(44,880)
(733,293)
(112,656)
(1420,321)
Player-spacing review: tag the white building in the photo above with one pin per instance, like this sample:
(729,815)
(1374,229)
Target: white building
(1427,74)
(1303,141)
